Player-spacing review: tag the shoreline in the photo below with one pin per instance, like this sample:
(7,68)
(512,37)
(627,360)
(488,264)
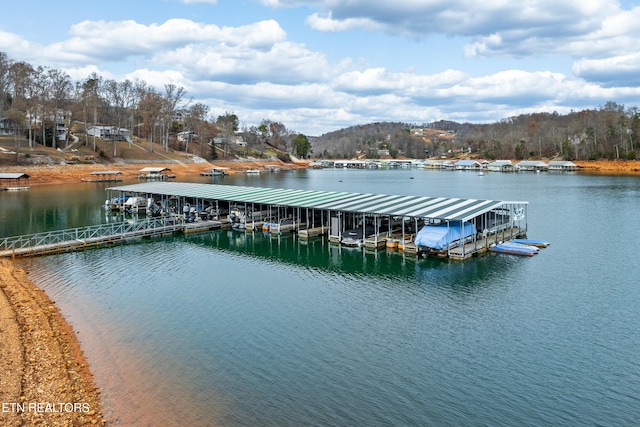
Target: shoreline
(76,173)
(46,379)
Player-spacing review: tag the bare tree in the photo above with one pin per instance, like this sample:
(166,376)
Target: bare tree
(172,97)
(5,81)
(196,116)
(60,87)
(91,99)
(151,108)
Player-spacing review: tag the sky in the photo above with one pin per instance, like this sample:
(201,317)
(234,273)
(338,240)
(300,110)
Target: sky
(322,65)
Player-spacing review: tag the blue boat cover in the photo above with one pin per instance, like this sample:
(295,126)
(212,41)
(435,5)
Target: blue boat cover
(440,236)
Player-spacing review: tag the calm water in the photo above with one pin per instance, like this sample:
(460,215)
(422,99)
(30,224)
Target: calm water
(230,329)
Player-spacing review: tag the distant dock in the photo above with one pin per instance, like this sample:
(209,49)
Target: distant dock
(105,176)
(14,181)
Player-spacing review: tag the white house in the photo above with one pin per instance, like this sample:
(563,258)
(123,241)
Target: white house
(109,133)
(240,142)
(6,126)
(186,136)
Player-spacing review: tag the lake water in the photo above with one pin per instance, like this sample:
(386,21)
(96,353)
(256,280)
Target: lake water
(234,329)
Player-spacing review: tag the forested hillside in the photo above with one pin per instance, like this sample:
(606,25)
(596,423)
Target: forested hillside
(45,106)
(608,132)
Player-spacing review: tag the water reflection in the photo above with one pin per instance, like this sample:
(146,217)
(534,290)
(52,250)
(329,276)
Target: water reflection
(319,254)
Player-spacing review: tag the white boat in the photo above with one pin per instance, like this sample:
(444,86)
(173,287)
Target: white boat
(355,236)
(136,204)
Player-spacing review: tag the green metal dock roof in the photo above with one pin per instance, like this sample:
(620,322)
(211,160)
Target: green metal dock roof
(378,204)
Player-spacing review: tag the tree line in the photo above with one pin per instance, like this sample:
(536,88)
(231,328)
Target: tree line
(610,131)
(35,98)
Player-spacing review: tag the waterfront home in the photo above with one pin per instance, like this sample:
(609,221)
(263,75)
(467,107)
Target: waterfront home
(186,136)
(7,126)
(532,165)
(109,133)
(562,165)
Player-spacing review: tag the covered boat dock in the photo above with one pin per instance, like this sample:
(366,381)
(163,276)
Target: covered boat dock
(14,181)
(310,212)
(105,176)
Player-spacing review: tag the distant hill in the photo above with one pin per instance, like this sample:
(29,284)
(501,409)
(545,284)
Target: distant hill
(402,139)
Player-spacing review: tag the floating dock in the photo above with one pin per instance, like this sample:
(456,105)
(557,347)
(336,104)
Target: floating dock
(332,213)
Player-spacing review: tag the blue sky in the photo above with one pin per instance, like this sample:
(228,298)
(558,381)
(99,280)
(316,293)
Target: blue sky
(320,65)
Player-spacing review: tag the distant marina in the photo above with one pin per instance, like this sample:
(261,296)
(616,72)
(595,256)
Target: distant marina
(451,164)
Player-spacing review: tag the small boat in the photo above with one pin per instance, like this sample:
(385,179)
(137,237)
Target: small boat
(402,243)
(392,243)
(521,246)
(356,236)
(253,171)
(513,249)
(285,225)
(115,204)
(136,204)
(532,242)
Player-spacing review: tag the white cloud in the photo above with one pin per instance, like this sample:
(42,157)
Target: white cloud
(378,80)
(119,40)
(326,23)
(617,70)
(257,71)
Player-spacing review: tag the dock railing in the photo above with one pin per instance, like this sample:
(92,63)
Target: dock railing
(93,234)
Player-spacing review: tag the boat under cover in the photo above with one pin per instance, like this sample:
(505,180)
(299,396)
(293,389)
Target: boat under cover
(441,236)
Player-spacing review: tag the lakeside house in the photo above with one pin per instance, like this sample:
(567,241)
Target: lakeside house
(7,126)
(109,133)
(186,136)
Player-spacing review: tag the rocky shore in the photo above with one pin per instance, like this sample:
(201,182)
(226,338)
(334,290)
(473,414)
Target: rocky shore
(58,174)
(44,377)
(70,173)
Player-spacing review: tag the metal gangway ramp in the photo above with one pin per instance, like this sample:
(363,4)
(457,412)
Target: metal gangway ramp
(81,238)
